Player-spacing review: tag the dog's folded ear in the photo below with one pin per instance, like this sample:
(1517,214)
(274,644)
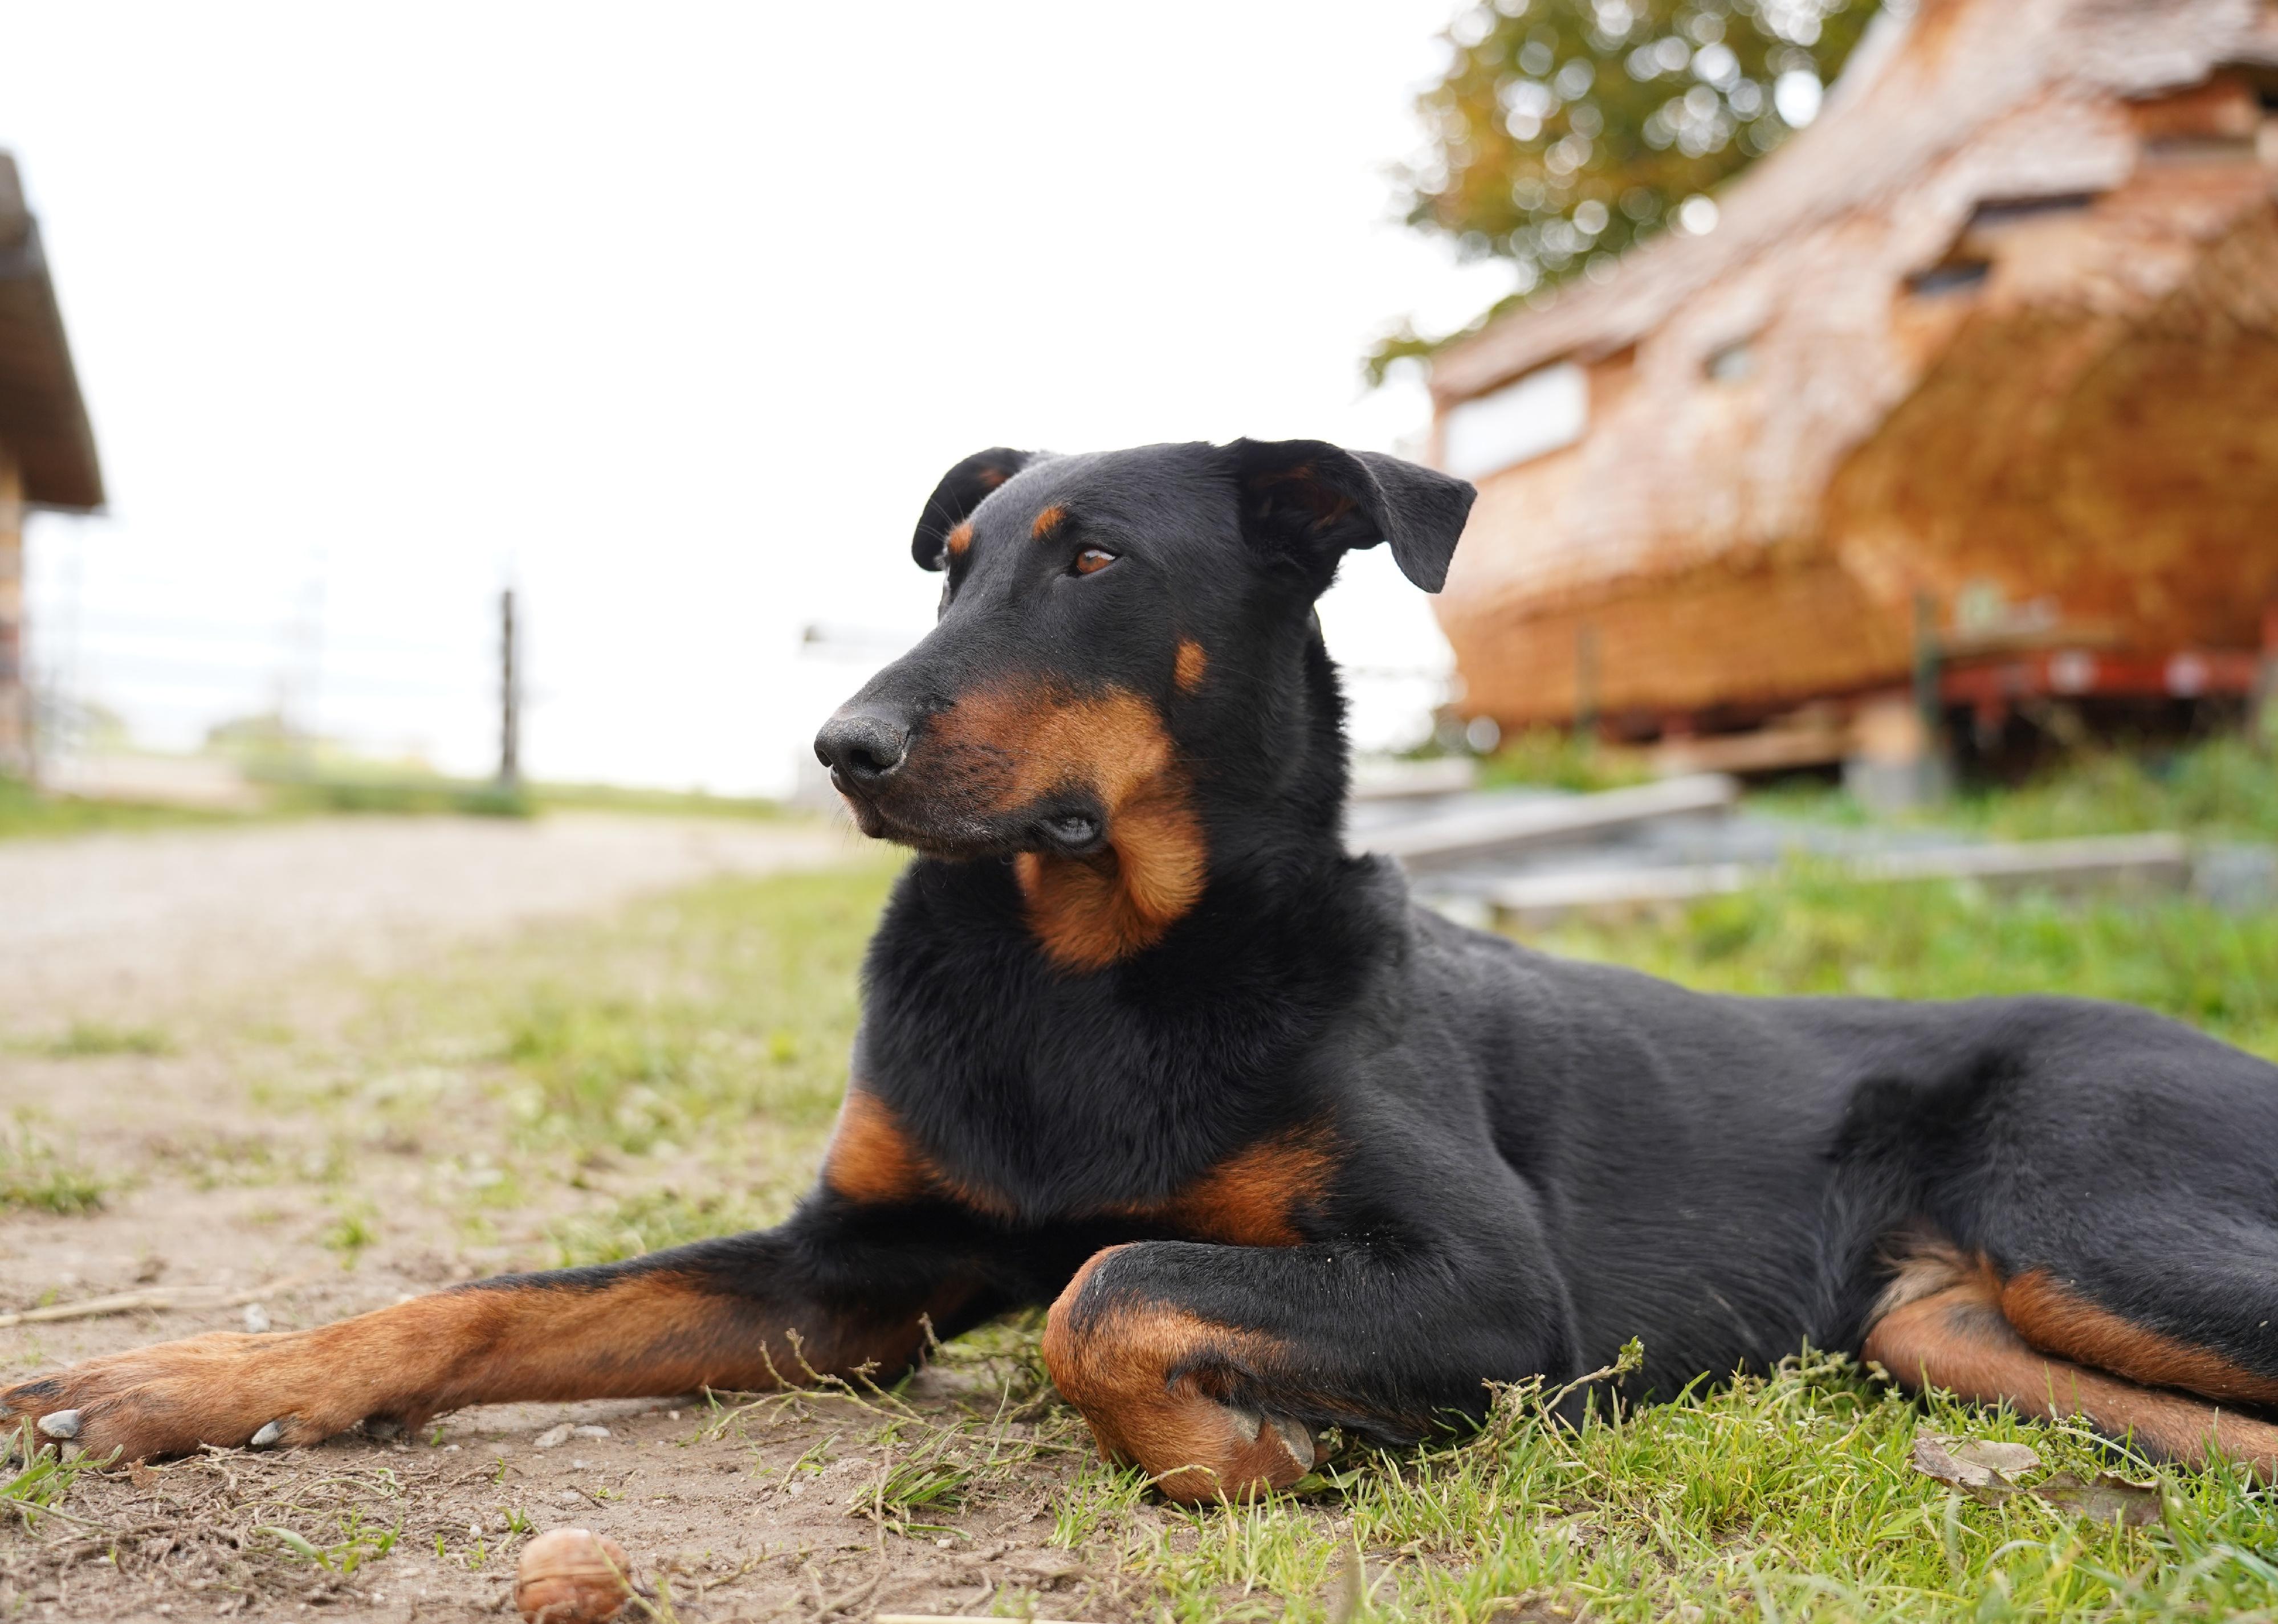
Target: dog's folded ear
(1311,500)
(958,494)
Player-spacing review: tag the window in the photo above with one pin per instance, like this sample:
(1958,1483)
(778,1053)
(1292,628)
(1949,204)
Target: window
(1545,409)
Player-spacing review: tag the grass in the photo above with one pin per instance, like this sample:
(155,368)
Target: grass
(26,812)
(2223,787)
(1554,758)
(1789,1496)
(620,1086)
(85,1038)
(1819,933)
(293,793)
(719,1019)
(37,1176)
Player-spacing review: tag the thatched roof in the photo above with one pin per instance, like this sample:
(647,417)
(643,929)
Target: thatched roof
(2004,321)
(44,423)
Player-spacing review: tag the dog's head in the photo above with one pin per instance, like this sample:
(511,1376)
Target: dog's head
(1120,665)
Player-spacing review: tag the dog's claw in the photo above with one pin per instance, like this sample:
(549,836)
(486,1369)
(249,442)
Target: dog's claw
(267,1436)
(60,1424)
(1297,1440)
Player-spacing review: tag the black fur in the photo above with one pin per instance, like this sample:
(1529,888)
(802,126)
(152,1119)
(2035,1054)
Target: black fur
(1541,1159)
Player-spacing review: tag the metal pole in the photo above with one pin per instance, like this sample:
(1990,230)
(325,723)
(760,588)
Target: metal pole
(509,699)
(1930,773)
(1586,683)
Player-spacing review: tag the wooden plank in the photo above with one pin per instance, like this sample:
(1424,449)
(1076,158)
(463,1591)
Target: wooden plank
(1394,779)
(1496,829)
(2161,860)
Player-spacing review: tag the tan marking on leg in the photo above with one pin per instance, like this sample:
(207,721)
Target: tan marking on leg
(1048,521)
(642,1335)
(1193,664)
(1117,1373)
(2057,1320)
(1955,1338)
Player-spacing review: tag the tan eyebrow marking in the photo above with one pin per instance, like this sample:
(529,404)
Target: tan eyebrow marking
(960,539)
(1048,521)
(1192,665)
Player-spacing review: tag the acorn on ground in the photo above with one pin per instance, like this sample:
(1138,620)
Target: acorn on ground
(572,1576)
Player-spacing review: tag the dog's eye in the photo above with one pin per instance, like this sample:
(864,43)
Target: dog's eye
(1092,559)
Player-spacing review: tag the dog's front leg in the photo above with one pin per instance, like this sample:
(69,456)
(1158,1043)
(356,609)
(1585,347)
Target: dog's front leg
(1210,1366)
(818,1296)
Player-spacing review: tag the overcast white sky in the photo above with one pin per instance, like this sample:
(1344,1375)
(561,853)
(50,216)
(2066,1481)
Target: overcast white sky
(675,313)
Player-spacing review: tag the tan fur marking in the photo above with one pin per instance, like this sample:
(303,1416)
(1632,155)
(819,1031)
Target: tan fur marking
(871,1159)
(1946,1329)
(1088,912)
(992,477)
(1118,1374)
(960,538)
(1193,664)
(644,1335)
(1252,1198)
(1048,521)
(2058,1321)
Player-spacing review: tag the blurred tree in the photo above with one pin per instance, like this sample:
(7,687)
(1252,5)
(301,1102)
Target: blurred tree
(1565,130)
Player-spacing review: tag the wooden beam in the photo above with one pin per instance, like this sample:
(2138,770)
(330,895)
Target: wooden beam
(1524,824)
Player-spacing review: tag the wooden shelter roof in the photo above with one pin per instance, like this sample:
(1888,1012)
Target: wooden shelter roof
(2084,421)
(1923,92)
(43,422)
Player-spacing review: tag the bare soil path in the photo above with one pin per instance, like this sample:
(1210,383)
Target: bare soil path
(132,926)
(199,1025)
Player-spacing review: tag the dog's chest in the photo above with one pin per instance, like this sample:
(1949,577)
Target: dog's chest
(1266,1194)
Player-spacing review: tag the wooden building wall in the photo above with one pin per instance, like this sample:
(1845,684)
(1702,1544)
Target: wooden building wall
(15,718)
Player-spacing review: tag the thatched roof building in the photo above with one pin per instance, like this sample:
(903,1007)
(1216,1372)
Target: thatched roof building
(1996,338)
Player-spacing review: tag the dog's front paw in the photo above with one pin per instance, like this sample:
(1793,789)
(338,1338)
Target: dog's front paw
(228,1389)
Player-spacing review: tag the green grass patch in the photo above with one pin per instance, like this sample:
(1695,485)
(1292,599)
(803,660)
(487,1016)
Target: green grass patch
(724,1004)
(1554,758)
(37,1176)
(1821,933)
(649,1221)
(84,1038)
(713,1027)
(1784,1497)
(26,811)
(2224,787)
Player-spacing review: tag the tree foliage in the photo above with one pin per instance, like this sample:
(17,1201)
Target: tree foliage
(1563,131)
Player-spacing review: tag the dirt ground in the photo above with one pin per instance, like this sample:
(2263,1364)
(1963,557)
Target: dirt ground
(782,1508)
(138,924)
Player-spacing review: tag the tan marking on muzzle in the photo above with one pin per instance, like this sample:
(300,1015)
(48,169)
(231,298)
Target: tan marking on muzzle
(1090,912)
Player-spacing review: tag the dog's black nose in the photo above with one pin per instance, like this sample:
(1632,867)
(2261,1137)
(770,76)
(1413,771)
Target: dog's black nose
(861,748)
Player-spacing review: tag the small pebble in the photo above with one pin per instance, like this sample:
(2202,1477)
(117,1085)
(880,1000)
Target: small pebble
(256,1318)
(552,1437)
(589,1432)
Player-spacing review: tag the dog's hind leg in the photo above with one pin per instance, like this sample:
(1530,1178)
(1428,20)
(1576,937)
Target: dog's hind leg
(814,1296)
(1952,1323)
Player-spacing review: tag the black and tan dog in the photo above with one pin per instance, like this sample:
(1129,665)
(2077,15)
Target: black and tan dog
(1282,1152)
